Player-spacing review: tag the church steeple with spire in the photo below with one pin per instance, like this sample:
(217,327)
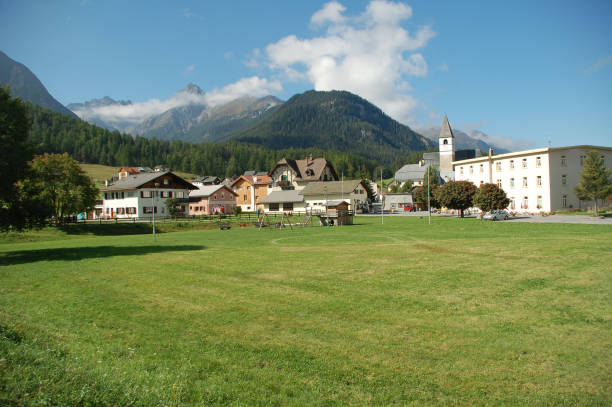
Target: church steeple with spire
(447,146)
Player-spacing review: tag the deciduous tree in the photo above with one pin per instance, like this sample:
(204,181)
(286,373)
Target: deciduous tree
(595,182)
(431,177)
(490,197)
(59,181)
(456,195)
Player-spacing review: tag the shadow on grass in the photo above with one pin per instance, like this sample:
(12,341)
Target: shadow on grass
(108,229)
(81,253)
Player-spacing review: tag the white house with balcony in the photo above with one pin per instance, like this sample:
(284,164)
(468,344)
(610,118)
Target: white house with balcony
(144,194)
(539,180)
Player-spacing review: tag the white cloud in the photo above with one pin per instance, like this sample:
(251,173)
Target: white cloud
(187,13)
(253,86)
(371,55)
(331,12)
(600,64)
(124,115)
(190,68)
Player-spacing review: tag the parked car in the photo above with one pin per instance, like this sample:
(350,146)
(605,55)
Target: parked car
(496,215)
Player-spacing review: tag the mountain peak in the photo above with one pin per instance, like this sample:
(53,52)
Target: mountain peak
(25,85)
(193,89)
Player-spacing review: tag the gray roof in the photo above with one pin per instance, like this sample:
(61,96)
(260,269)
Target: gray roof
(290,195)
(206,190)
(445,130)
(414,172)
(410,172)
(405,197)
(206,178)
(135,181)
(330,187)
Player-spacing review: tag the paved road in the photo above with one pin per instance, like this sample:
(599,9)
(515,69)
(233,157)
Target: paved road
(583,219)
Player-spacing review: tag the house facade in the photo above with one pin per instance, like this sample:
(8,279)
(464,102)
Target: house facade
(144,195)
(296,174)
(211,199)
(539,180)
(317,195)
(289,200)
(250,190)
(399,202)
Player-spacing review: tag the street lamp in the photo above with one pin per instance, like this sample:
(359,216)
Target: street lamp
(326,216)
(154,208)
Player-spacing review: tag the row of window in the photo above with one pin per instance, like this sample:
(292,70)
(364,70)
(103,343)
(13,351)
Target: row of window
(143,194)
(121,211)
(511,166)
(525,203)
(287,206)
(525,181)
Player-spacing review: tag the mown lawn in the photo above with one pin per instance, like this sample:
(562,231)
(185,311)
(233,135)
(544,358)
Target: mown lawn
(462,312)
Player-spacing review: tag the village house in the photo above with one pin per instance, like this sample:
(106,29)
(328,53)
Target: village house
(318,194)
(399,202)
(251,190)
(288,177)
(206,180)
(296,174)
(289,200)
(211,199)
(539,180)
(144,194)
(317,197)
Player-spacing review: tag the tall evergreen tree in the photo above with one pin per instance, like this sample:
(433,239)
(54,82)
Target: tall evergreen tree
(595,182)
(15,152)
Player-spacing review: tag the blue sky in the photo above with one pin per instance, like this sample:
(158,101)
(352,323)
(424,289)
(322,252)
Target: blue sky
(523,72)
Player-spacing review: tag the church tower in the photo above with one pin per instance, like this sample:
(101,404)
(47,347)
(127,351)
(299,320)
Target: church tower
(447,146)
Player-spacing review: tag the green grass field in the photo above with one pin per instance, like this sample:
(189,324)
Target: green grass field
(462,312)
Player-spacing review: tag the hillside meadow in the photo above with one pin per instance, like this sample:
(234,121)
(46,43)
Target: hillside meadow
(460,312)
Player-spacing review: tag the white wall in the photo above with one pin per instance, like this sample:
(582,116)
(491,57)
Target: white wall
(133,199)
(550,171)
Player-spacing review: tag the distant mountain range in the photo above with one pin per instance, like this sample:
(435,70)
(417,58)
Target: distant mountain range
(25,85)
(335,120)
(192,119)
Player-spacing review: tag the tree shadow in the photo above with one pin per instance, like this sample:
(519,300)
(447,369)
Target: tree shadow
(107,229)
(81,253)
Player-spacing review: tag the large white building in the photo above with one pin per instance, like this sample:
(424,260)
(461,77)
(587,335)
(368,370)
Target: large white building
(540,180)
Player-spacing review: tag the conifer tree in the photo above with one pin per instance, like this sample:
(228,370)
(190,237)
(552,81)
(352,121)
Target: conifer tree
(595,182)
